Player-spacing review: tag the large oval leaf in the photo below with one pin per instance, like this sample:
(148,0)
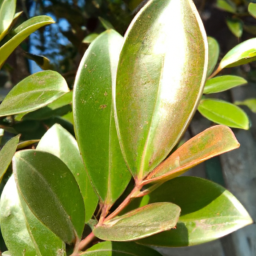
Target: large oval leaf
(7,11)
(120,249)
(214,52)
(21,33)
(222,112)
(207,144)
(93,117)
(51,192)
(13,224)
(208,212)
(22,231)
(159,81)
(34,92)
(62,144)
(7,153)
(222,83)
(142,222)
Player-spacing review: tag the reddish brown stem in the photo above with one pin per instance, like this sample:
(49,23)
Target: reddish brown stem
(86,241)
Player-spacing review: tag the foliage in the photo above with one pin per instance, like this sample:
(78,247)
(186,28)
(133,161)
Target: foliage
(133,99)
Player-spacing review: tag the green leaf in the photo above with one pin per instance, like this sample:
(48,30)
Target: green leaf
(226,6)
(90,38)
(105,23)
(51,192)
(27,143)
(143,222)
(93,117)
(235,26)
(120,249)
(62,144)
(222,83)
(21,229)
(6,254)
(207,144)
(13,224)
(7,153)
(209,211)
(58,107)
(7,11)
(21,33)
(156,75)
(34,92)
(222,112)
(252,9)
(250,103)
(41,61)
(243,53)
(214,52)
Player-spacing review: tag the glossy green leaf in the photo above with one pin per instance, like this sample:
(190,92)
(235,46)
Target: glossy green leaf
(120,249)
(157,74)
(252,9)
(93,117)
(7,153)
(222,112)
(58,203)
(105,23)
(214,52)
(226,6)
(209,211)
(62,144)
(235,26)
(207,144)
(27,143)
(90,38)
(13,224)
(21,33)
(7,11)
(250,103)
(223,83)
(19,225)
(58,107)
(243,53)
(143,222)
(41,61)
(34,92)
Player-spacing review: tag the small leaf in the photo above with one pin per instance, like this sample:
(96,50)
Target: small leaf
(222,112)
(222,83)
(90,38)
(235,26)
(13,224)
(209,211)
(207,144)
(143,222)
(62,144)
(41,61)
(58,203)
(28,229)
(94,118)
(252,9)
(214,52)
(58,107)
(34,92)
(120,249)
(250,103)
(156,75)
(21,33)
(7,153)
(7,11)
(105,23)
(243,53)
(226,6)
(27,143)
